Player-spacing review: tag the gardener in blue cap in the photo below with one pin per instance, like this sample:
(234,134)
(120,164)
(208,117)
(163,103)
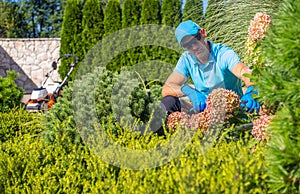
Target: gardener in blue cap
(209,66)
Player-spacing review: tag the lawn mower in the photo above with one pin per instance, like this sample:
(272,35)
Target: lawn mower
(43,98)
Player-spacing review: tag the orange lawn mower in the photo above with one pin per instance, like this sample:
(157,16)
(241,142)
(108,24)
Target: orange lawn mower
(43,98)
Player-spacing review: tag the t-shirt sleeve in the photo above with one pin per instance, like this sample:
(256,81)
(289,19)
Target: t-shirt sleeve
(182,66)
(229,58)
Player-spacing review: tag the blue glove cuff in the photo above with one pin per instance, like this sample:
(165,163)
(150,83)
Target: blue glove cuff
(187,90)
(250,90)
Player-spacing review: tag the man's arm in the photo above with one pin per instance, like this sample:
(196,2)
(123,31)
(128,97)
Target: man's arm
(247,100)
(172,86)
(239,70)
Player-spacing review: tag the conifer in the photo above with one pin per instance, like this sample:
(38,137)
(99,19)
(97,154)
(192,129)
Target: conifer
(71,35)
(193,10)
(92,24)
(171,13)
(112,17)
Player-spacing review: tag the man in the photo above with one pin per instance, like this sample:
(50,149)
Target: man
(209,66)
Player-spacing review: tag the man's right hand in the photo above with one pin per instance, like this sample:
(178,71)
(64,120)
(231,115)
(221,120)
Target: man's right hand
(197,98)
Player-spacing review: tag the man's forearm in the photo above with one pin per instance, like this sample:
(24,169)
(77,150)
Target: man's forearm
(170,89)
(240,70)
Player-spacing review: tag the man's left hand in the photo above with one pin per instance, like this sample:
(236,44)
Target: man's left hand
(248,102)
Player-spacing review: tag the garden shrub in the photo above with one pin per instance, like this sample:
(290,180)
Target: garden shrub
(85,96)
(59,119)
(17,122)
(29,165)
(278,83)
(96,96)
(224,168)
(10,93)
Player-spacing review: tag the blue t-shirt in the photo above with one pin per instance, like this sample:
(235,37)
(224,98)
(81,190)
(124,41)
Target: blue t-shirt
(216,73)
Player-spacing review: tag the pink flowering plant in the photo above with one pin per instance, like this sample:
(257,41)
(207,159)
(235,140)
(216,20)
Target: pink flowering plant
(257,29)
(256,32)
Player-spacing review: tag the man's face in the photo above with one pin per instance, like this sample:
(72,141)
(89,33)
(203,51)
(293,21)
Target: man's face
(196,45)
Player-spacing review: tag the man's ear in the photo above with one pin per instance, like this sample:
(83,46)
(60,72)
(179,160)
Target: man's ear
(203,32)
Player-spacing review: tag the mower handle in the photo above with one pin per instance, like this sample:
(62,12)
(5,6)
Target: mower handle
(72,65)
(71,56)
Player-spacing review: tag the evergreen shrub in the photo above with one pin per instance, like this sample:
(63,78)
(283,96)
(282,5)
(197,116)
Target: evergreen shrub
(10,93)
(96,87)
(223,168)
(17,122)
(278,83)
(30,165)
(71,36)
(92,24)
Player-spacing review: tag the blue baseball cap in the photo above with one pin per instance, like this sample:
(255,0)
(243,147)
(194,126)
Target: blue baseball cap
(186,28)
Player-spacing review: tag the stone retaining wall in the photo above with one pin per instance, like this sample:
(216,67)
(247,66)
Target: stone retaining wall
(31,58)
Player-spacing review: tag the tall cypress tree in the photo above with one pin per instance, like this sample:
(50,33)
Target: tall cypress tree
(112,23)
(150,12)
(112,17)
(71,34)
(150,15)
(171,16)
(131,13)
(171,12)
(193,10)
(92,23)
(215,20)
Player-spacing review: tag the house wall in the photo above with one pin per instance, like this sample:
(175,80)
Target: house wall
(31,58)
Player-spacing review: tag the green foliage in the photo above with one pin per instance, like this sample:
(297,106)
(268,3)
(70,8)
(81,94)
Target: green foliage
(278,84)
(150,12)
(112,23)
(71,35)
(150,15)
(223,168)
(229,25)
(27,19)
(10,93)
(124,95)
(17,122)
(112,17)
(60,119)
(131,13)
(29,165)
(193,10)
(92,24)
(134,100)
(283,152)
(56,14)
(171,13)
(12,20)
(215,11)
